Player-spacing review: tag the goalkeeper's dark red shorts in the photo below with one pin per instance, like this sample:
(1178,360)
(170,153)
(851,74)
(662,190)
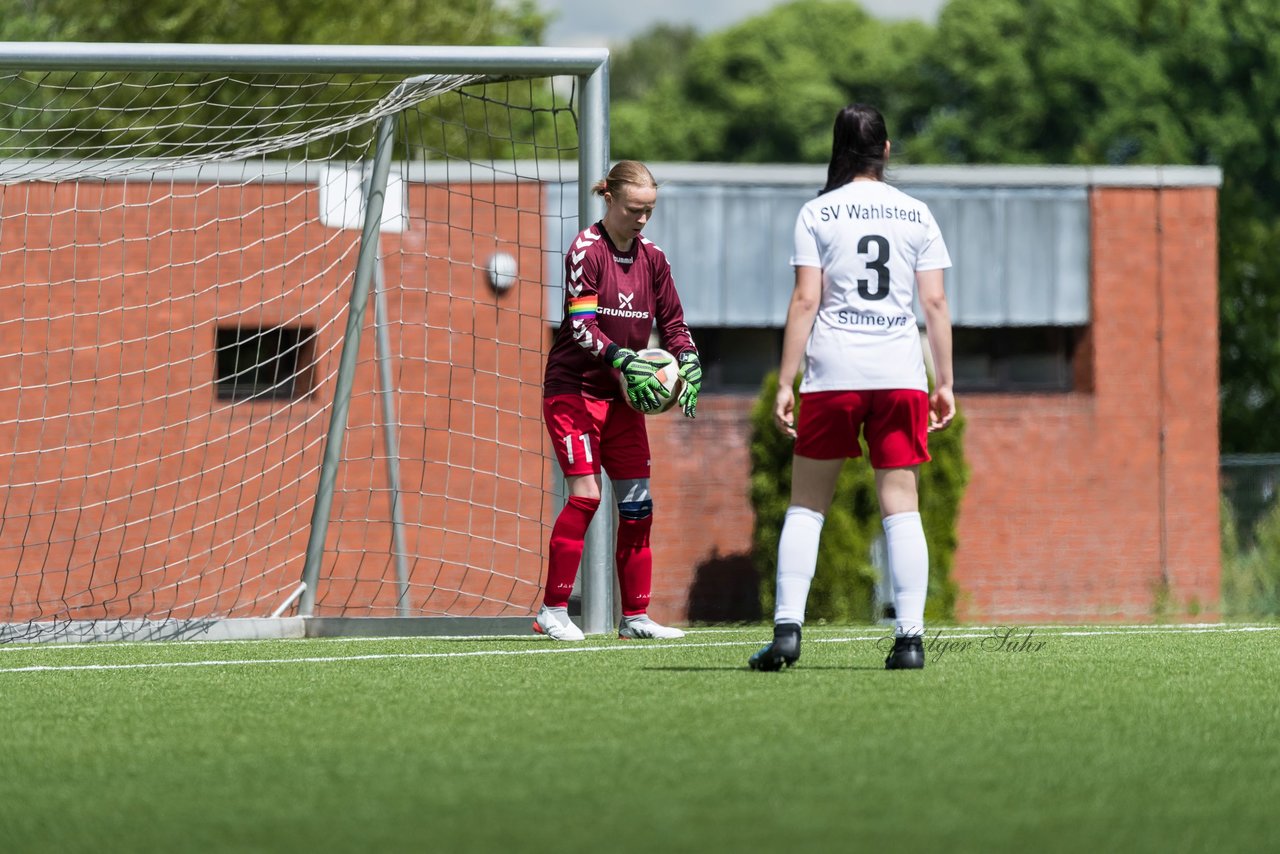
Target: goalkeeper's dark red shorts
(588,433)
(895,423)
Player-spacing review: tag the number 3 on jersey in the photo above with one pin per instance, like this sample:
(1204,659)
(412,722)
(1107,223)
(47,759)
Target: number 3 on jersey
(879,263)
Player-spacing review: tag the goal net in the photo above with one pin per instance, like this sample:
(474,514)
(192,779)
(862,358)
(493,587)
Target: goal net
(246,373)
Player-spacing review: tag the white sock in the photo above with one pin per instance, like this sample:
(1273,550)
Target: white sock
(909,569)
(797,561)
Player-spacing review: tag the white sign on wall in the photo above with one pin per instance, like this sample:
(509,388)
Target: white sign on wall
(342,200)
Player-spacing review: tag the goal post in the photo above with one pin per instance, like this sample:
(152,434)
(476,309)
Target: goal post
(274,320)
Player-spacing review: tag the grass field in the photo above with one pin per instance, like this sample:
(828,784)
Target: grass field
(1066,739)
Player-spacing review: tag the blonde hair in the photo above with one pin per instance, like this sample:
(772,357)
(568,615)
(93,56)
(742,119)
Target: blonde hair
(624,172)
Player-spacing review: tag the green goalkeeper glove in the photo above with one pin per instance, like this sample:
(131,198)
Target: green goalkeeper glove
(691,372)
(643,389)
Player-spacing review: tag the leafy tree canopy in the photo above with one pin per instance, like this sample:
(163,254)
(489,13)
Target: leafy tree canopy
(55,119)
(1138,81)
(456,22)
(767,89)
(657,55)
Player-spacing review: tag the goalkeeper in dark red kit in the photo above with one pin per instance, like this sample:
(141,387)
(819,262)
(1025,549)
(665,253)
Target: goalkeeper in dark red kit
(617,287)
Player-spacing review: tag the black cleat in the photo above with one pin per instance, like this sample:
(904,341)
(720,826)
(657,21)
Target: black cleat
(783,650)
(907,654)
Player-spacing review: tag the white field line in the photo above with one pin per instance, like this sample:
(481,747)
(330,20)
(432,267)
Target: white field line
(560,650)
(1057,628)
(810,634)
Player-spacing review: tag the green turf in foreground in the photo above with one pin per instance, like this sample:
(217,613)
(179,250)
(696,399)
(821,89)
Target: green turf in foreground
(1151,740)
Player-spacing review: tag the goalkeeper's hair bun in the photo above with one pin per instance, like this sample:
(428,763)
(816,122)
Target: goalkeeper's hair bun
(624,172)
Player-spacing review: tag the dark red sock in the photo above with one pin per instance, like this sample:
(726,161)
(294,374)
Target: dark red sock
(568,538)
(635,564)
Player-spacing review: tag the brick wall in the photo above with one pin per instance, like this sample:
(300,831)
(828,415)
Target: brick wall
(1081,505)
(130,490)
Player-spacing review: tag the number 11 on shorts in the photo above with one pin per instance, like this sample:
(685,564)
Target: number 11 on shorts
(586,446)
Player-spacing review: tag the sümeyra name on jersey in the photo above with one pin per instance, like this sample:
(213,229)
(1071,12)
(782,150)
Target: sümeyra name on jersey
(856,317)
(828,213)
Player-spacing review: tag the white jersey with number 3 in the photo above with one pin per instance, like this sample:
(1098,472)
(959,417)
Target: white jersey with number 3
(869,239)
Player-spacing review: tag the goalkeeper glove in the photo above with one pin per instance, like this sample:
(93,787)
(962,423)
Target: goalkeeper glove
(691,372)
(643,388)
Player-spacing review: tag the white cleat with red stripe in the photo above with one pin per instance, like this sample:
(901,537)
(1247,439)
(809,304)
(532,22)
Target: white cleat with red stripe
(641,627)
(555,624)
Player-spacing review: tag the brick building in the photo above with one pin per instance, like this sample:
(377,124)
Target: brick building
(139,483)
(1087,365)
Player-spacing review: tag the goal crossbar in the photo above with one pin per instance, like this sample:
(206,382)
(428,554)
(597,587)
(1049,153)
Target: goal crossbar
(389,59)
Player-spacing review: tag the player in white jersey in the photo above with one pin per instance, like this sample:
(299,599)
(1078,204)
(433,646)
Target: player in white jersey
(862,251)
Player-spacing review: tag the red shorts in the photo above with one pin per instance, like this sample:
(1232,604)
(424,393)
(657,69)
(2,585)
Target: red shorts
(895,423)
(587,433)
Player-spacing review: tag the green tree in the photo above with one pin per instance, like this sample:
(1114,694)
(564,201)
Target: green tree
(1251,576)
(1138,81)
(54,118)
(766,90)
(658,55)
(457,22)
(1249,307)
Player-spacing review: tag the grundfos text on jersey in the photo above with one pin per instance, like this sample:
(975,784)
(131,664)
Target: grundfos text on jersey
(621,312)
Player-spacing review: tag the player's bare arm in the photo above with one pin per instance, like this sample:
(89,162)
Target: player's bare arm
(800,315)
(937,318)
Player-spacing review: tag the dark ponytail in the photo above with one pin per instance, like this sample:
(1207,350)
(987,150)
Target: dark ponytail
(857,146)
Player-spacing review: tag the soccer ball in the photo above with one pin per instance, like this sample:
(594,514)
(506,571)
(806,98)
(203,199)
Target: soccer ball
(669,377)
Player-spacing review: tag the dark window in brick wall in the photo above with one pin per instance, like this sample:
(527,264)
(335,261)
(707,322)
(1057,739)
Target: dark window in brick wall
(263,362)
(736,359)
(1012,359)
(1021,358)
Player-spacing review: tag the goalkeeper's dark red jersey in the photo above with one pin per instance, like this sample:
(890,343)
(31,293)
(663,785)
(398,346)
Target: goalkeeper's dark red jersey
(611,297)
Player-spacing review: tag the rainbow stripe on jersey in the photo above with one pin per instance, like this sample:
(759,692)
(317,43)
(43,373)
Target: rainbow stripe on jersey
(583,308)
